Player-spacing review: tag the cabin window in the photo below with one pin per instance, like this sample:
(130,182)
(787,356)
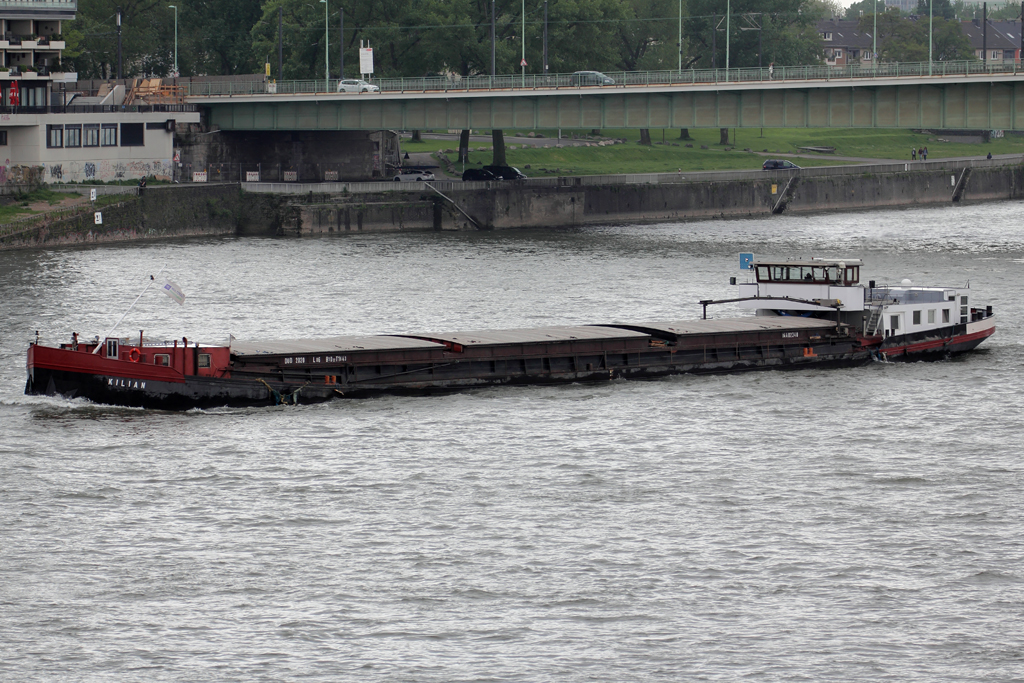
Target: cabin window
(111,348)
(917,317)
(161,359)
(931,317)
(945,315)
(762,273)
(894,322)
(204,360)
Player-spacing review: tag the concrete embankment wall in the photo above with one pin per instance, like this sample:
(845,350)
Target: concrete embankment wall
(205,210)
(515,205)
(160,212)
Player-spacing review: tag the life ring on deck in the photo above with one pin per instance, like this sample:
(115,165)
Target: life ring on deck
(134,355)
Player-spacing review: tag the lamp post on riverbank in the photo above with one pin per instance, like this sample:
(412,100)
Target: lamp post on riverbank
(175,8)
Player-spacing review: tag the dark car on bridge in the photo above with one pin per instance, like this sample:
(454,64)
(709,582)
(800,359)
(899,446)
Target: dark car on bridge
(778,165)
(590,78)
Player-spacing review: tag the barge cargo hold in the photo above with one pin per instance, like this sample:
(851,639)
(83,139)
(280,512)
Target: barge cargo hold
(801,321)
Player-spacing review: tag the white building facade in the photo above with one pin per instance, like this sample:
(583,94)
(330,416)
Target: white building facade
(48,134)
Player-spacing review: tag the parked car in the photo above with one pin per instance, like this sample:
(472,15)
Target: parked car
(478,174)
(505,172)
(410,175)
(353,85)
(778,164)
(590,78)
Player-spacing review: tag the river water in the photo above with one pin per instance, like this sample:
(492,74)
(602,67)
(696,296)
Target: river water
(861,524)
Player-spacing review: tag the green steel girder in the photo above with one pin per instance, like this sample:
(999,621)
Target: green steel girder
(933,104)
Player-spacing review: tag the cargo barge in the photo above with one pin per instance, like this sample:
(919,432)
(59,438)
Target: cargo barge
(806,314)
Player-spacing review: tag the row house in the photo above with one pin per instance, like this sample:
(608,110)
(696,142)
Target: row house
(998,44)
(49,134)
(845,43)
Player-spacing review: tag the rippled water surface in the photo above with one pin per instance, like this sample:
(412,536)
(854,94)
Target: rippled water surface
(860,524)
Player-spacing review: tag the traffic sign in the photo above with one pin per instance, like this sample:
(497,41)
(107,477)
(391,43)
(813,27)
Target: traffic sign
(523,63)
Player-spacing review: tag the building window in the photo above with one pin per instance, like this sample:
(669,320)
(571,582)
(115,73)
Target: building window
(91,132)
(827,35)
(204,360)
(132,135)
(945,315)
(917,317)
(108,135)
(55,136)
(996,54)
(73,136)
(894,322)
(161,359)
(3,138)
(838,53)
(931,317)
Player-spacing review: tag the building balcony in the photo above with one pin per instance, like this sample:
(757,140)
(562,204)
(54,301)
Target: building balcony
(38,9)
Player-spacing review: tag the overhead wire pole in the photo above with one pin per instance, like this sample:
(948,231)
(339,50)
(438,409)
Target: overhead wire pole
(545,37)
(522,61)
(931,4)
(679,45)
(341,47)
(728,12)
(280,43)
(493,71)
(874,38)
(327,49)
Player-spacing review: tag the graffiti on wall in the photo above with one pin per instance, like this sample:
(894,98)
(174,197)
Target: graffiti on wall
(77,171)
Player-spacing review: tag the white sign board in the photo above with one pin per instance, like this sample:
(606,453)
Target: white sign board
(252,176)
(199,176)
(92,195)
(366,60)
(98,218)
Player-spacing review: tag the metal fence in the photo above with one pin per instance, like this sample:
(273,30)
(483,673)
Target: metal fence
(818,72)
(632,178)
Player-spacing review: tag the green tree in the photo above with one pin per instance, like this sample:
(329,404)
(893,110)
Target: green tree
(905,40)
(646,39)
(939,8)
(147,38)
(214,37)
(787,34)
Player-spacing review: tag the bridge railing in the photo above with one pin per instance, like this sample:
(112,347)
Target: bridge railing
(626,79)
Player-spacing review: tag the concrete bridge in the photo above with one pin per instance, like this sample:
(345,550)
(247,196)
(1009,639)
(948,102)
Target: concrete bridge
(960,95)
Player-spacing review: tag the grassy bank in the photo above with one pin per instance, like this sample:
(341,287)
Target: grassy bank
(669,153)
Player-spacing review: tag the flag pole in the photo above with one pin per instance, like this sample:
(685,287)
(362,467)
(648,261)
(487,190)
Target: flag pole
(102,339)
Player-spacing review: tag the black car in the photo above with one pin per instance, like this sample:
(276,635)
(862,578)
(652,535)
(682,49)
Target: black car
(505,172)
(590,78)
(478,174)
(778,164)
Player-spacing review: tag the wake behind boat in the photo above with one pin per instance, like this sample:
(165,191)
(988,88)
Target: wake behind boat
(807,314)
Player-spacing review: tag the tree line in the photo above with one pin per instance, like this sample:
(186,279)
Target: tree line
(414,38)
(419,37)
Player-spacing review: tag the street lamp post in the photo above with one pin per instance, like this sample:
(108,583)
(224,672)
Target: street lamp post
(874,38)
(327,47)
(931,4)
(175,8)
(728,11)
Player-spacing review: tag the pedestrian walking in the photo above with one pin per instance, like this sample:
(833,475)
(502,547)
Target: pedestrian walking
(919,153)
(913,154)
(771,71)
(925,152)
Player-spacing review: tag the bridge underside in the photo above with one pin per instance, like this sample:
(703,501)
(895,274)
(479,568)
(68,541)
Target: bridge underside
(983,105)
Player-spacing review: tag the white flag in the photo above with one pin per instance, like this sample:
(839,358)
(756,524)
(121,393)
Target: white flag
(174,291)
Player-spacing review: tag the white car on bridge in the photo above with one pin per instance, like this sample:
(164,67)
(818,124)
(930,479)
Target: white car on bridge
(353,85)
(412,175)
